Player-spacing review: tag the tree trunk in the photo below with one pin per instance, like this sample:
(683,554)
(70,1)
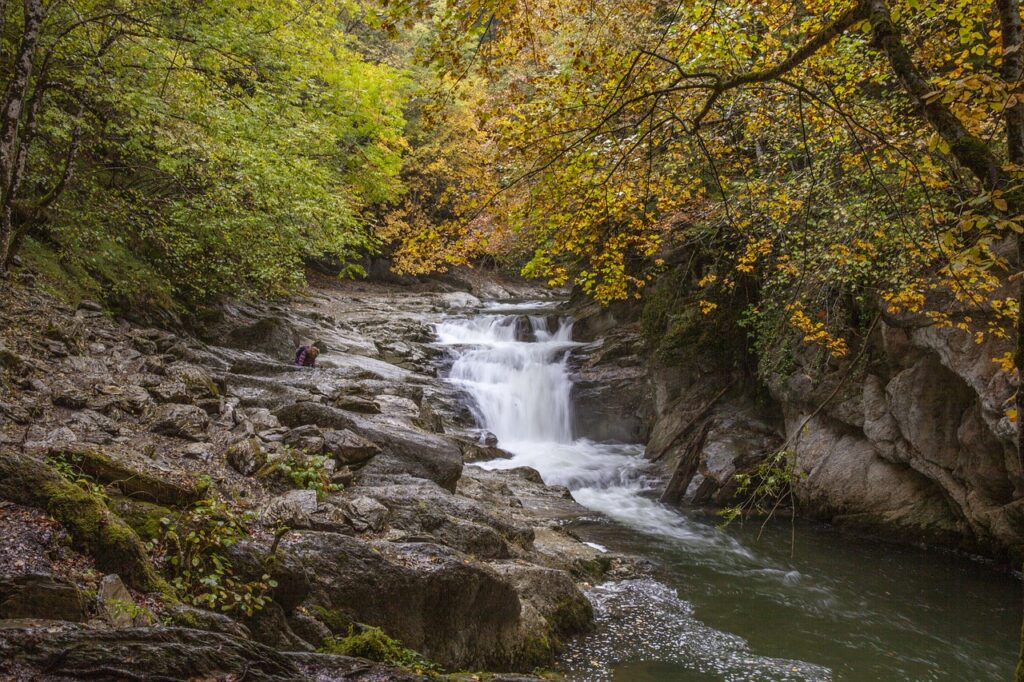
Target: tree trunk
(10,119)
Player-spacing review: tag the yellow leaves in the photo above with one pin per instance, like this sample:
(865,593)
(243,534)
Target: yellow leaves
(906,300)
(815,332)
(755,249)
(1005,362)
(707,307)
(707,280)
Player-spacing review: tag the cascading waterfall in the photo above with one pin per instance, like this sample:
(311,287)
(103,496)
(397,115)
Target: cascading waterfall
(513,362)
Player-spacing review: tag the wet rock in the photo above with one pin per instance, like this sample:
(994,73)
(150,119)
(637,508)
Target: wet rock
(41,596)
(552,604)
(293,509)
(348,448)
(308,439)
(117,607)
(246,456)
(182,421)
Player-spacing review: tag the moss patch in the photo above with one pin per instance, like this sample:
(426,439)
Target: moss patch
(374,644)
(335,620)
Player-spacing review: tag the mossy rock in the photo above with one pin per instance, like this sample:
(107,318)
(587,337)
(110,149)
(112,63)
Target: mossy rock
(373,644)
(336,621)
(145,518)
(94,529)
(130,481)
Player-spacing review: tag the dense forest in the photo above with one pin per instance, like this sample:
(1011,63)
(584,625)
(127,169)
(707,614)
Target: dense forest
(817,163)
(773,178)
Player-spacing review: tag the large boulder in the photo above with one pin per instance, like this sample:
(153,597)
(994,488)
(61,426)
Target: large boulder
(274,336)
(425,510)
(452,610)
(41,596)
(348,447)
(405,449)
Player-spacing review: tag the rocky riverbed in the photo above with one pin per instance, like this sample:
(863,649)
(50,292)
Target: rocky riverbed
(347,483)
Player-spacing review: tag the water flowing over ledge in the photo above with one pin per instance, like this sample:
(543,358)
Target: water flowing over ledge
(848,609)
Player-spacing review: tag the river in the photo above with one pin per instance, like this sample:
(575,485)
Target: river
(722,604)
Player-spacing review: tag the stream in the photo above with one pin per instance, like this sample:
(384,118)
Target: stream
(722,604)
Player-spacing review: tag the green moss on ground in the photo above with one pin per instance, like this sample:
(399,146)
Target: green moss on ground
(374,644)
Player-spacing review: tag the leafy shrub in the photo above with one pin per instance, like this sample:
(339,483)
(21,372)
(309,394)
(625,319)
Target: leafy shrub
(301,470)
(193,549)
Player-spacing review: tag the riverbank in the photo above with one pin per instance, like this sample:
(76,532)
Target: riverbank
(343,486)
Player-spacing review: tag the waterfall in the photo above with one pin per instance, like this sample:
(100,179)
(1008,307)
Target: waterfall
(521,389)
(513,362)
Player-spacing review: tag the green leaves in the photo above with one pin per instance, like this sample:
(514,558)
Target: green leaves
(224,142)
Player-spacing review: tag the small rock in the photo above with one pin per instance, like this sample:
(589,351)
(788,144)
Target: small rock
(170,392)
(354,403)
(91,306)
(348,447)
(69,397)
(343,477)
(202,452)
(246,456)
(262,419)
(10,359)
(117,606)
(308,439)
(292,509)
(97,348)
(182,421)
(365,513)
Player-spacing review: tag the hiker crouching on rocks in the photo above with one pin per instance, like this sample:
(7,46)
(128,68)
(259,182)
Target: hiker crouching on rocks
(306,356)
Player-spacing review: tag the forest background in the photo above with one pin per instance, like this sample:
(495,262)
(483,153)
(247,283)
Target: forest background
(795,169)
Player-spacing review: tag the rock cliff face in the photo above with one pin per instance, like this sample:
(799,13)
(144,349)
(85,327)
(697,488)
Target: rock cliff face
(362,513)
(911,444)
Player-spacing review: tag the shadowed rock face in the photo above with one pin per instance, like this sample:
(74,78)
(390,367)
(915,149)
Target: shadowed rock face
(916,446)
(458,613)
